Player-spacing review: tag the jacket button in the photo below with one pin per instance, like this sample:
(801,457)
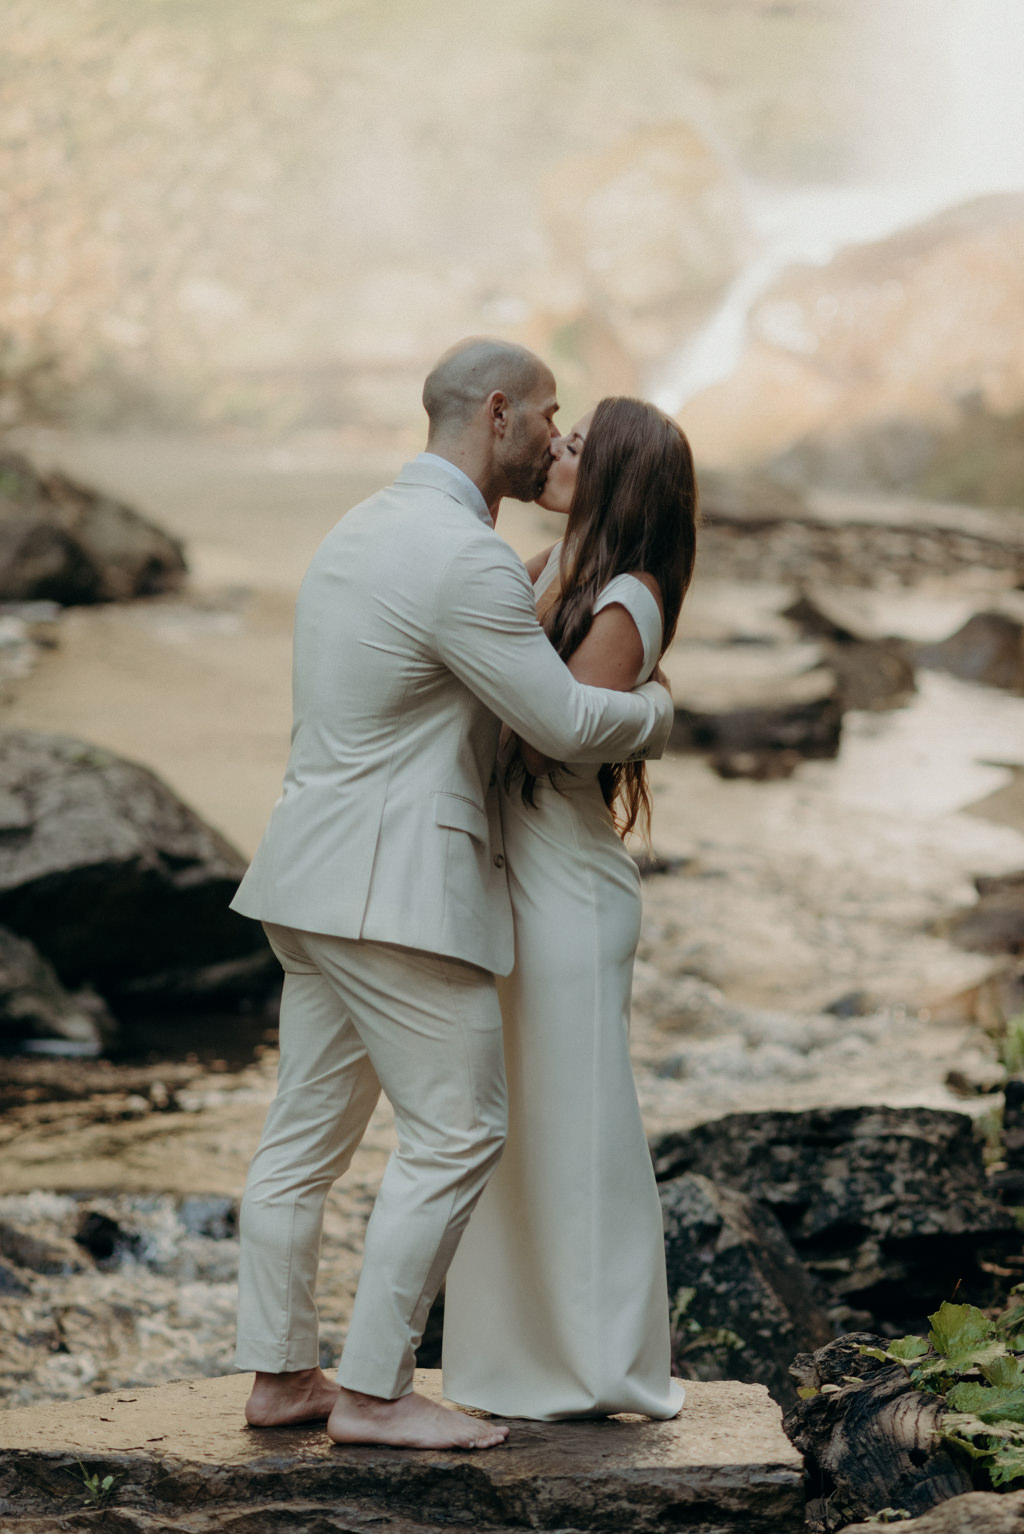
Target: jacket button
(499,860)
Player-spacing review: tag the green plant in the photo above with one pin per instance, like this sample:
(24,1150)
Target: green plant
(975,1363)
(97,1492)
(690,1336)
(1012,1051)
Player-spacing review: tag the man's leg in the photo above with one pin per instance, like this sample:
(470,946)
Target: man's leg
(432,1029)
(327,1089)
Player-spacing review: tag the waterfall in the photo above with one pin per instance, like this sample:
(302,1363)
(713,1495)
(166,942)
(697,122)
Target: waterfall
(957,65)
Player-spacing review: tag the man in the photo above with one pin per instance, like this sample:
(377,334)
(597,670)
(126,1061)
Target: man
(380,881)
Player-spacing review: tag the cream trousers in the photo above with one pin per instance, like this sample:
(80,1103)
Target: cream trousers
(357,1017)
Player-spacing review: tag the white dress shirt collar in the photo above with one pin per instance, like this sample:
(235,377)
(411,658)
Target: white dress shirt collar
(469,490)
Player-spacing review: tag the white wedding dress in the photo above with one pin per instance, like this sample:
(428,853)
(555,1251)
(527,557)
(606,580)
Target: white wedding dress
(556,1302)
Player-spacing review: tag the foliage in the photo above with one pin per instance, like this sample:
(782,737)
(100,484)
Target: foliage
(975,1363)
(690,1336)
(97,1492)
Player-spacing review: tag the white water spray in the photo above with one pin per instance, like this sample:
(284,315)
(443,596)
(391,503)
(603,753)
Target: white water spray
(954,70)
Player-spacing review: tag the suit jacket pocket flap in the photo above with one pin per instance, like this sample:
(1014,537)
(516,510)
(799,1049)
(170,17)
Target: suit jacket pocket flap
(457,813)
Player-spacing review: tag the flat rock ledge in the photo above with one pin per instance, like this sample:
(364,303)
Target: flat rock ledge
(186,1463)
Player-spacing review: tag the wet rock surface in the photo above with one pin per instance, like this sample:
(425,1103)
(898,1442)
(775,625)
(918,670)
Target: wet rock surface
(743,1305)
(34,1004)
(63,542)
(995,923)
(868,1438)
(889,1210)
(724,1464)
(117,883)
(977,1512)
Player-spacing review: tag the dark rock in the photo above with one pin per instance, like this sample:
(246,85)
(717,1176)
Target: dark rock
(732,1270)
(888,1208)
(62,541)
(117,882)
(12,1286)
(976,1512)
(795,717)
(34,1004)
(875,671)
(876,675)
(1013,1124)
(868,1438)
(55,1256)
(989,649)
(104,1239)
(650,864)
(995,924)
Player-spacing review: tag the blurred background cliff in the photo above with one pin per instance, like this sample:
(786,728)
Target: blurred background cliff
(265,216)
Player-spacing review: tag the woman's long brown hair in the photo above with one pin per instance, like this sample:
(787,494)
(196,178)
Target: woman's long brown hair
(635,509)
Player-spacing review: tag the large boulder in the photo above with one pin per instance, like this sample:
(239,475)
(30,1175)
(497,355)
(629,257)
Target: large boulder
(868,1438)
(889,1208)
(117,882)
(742,1303)
(34,1004)
(995,924)
(976,1512)
(62,542)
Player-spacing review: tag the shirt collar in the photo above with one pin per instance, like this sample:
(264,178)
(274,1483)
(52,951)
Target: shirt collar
(469,490)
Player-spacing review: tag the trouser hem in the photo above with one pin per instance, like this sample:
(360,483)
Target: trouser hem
(257,1355)
(366,1376)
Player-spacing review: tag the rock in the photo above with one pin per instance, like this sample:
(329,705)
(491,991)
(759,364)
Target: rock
(104,1239)
(11,1283)
(976,1512)
(117,882)
(185,1461)
(55,1255)
(888,1208)
(654,226)
(846,371)
(756,711)
(63,542)
(868,1438)
(875,672)
(995,924)
(732,1270)
(34,1004)
(988,649)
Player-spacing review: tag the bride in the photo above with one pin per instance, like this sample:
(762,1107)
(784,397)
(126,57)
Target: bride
(556,1301)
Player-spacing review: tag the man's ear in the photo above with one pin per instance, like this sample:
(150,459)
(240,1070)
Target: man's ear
(499,411)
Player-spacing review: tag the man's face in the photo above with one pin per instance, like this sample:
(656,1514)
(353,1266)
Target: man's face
(526,452)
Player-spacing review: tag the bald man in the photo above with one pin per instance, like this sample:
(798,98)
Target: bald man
(380,882)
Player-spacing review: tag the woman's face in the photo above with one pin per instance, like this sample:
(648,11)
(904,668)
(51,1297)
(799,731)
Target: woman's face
(560,485)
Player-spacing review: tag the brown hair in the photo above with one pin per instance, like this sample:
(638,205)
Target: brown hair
(635,509)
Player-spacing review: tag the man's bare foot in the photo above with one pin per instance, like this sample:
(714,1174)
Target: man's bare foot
(410,1422)
(284,1400)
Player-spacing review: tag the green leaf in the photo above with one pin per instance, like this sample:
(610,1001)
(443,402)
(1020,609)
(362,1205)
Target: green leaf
(964,1336)
(990,1403)
(1007,1373)
(906,1348)
(964,1425)
(1007,1464)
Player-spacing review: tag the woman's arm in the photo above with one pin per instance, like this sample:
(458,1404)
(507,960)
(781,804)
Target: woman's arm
(612,656)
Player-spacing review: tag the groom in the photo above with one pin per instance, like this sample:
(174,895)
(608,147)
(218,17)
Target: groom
(380,881)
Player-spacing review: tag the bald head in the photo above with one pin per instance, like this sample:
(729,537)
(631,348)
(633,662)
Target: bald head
(469,372)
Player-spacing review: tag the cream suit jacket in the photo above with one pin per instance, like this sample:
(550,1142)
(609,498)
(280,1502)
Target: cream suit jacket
(415,634)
